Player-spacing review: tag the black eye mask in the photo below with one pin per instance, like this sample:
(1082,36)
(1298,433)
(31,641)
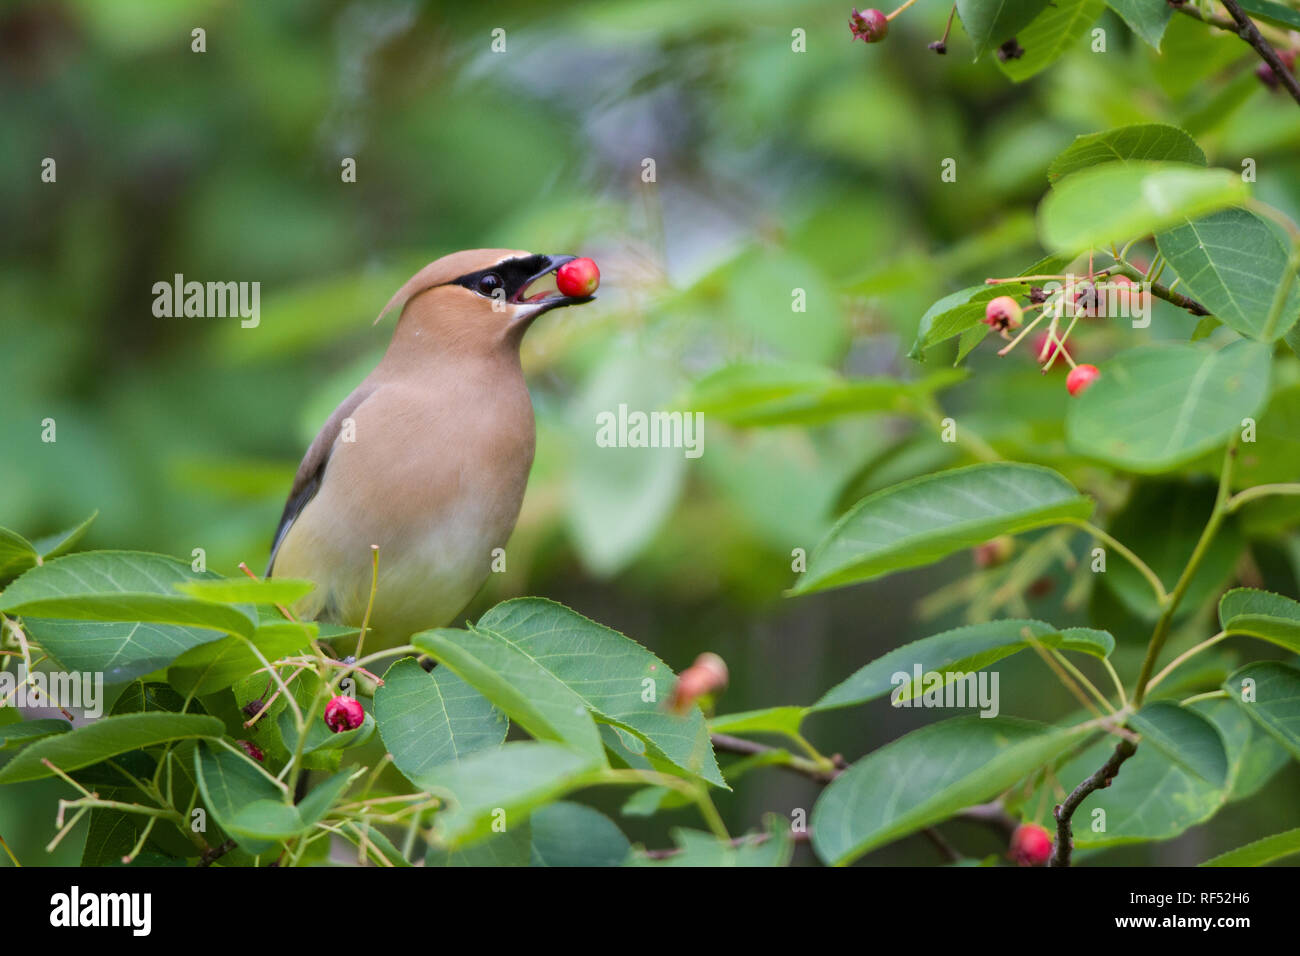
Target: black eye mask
(515,275)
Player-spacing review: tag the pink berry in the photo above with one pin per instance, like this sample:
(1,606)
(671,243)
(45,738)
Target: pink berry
(1031,845)
(1081,377)
(344,713)
(1003,313)
(578,278)
(870,26)
(992,553)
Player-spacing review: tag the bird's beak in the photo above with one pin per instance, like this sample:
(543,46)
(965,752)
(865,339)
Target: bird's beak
(539,294)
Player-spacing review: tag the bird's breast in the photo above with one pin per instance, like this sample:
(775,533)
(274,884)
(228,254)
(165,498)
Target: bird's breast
(435,479)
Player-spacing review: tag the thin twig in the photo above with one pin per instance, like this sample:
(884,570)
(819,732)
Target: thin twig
(1065,811)
(1247,30)
(800,765)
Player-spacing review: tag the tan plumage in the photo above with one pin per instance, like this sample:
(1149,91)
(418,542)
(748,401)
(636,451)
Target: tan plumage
(443,444)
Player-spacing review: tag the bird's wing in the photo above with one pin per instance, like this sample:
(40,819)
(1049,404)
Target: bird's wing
(312,469)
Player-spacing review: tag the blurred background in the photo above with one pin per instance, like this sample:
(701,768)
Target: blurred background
(772,170)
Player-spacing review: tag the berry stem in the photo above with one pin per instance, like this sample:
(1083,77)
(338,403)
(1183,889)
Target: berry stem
(890,16)
(1023,332)
(1170,605)
(1024,280)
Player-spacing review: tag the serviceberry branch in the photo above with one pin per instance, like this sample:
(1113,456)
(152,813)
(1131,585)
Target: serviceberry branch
(1244,27)
(1065,812)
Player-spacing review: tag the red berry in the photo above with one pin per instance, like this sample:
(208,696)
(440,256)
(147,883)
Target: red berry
(252,749)
(1031,845)
(1130,297)
(992,553)
(578,278)
(870,26)
(1003,313)
(1081,377)
(1045,347)
(344,713)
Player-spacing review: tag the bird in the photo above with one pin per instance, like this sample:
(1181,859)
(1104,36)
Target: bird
(425,463)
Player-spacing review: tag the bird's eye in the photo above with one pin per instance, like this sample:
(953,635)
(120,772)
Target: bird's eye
(489,283)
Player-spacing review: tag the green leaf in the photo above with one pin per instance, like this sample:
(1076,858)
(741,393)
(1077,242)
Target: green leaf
(1151,798)
(1274,455)
(1262,614)
(1168,518)
(118,586)
(110,836)
(991,22)
(506,784)
(1275,704)
(954,314)
(1231,261)
(17,554)
(126,619)
(515,681)
(926,777)
(930,517)
(619,497)
(1158,407)
(1261,852)
(570,834)
(963,650)
(427,720)
(322,797)
(771,720)
(243,800)
(103,739)
(27,731)
(319,736)
(512,847)
(1121,201)
(768,393)
(774,847)
(1148,20)
(962,312)
(1144,141)
(1276,13)
(1057,27)
(611,674)
(247,590)
(58,544)
(217,665)
(1254,757)
(1185,737)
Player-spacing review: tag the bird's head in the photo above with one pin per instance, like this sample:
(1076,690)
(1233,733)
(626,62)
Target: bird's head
(480,298)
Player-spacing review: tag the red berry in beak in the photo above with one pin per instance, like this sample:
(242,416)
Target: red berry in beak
(1003,313)
(578,278)
(869,25)
(1031,845)
(1080,377)
(344,713)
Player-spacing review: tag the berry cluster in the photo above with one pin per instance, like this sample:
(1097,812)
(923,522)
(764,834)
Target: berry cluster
(1097,295)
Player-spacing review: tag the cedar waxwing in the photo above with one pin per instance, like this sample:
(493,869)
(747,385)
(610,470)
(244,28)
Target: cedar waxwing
(428,457)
